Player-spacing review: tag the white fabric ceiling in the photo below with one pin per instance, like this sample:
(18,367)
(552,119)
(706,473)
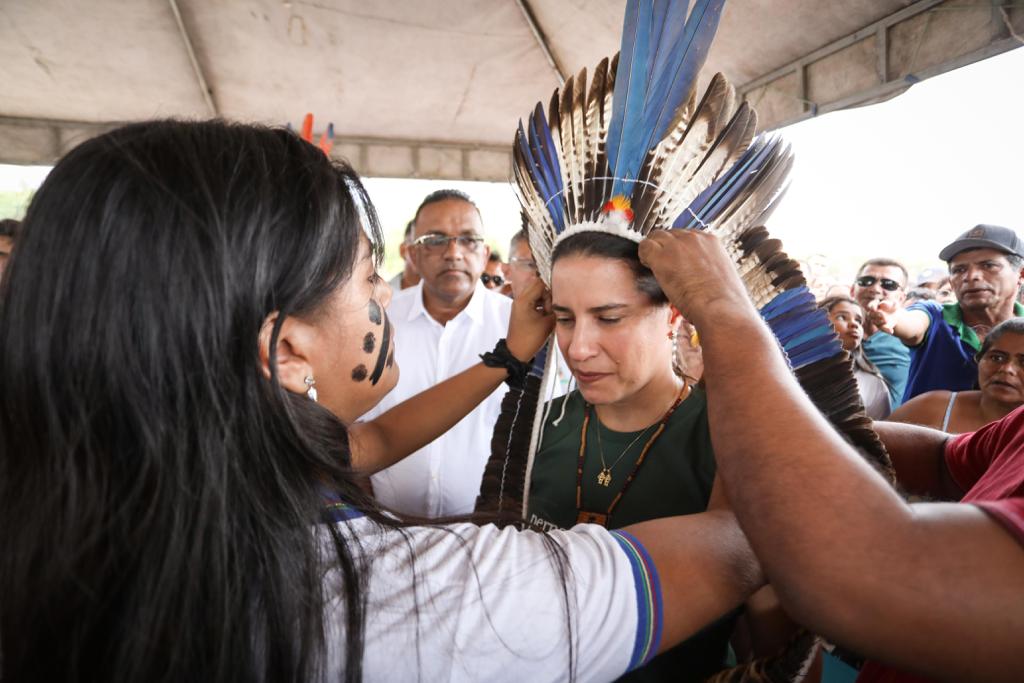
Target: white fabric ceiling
(450,75)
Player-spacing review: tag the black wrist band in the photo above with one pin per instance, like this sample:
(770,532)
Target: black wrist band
(501,357)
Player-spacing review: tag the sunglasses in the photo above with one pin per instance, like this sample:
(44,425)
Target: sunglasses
(887,284)
(439,243)
(487,279)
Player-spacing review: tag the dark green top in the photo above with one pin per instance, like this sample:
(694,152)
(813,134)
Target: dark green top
(675,479)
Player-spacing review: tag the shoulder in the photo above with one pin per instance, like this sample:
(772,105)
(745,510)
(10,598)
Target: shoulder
(924,409)
(930,308)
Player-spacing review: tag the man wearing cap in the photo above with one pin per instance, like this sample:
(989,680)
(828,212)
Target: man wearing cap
(985,271)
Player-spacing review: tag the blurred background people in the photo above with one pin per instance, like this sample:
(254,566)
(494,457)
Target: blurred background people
(883,281)
(442,325)
(493,276)
(848,320)
(409,276)
(8,231)
(1000,382)
(986,270)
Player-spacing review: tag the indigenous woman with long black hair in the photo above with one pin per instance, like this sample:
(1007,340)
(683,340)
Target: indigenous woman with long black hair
(189,324)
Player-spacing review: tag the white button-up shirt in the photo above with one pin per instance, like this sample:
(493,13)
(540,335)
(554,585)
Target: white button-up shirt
(442,478)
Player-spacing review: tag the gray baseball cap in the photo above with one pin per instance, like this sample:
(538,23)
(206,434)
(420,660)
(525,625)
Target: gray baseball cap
(984,237)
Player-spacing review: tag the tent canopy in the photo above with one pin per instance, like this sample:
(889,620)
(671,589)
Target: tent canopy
(419,88)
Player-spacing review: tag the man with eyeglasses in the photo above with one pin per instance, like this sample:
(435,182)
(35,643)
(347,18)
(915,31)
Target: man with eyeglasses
(521,270)
(883,280)
(442,325)
(986,270)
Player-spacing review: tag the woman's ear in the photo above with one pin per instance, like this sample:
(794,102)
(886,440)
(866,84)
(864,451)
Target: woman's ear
(291,353)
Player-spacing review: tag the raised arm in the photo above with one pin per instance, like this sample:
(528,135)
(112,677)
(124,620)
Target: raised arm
(412,424)
(907,326)
(848,557)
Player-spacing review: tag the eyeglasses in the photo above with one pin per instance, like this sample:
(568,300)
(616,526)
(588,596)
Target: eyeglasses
(523,263)
(487,279)
(438,243)
(887,284)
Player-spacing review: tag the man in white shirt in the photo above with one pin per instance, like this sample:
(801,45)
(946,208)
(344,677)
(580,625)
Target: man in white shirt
(442,325)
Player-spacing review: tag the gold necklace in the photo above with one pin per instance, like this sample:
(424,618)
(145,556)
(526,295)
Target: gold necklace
(588,517)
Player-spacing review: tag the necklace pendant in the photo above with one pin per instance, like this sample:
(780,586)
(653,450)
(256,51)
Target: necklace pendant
(604,478)
(587,517)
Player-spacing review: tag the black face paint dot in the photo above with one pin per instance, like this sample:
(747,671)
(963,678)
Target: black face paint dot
(375,313)
(391,359)
(369,342)
(359,372)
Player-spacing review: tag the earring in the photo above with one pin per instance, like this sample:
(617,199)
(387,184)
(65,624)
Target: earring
(310,389)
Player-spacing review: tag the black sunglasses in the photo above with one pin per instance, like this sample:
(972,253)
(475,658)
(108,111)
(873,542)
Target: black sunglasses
(887,284)
(487,279)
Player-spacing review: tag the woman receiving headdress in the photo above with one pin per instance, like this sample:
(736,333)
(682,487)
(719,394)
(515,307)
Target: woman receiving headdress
(620,152)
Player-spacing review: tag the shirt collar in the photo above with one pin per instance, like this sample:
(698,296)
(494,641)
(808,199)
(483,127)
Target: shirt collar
(474,310)
(954,316)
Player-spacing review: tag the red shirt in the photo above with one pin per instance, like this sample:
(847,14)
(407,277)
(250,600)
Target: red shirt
(989,465)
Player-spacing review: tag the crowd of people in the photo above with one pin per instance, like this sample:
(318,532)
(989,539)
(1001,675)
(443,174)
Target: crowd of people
(266,394)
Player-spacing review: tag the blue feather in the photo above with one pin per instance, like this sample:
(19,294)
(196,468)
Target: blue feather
(802,329)
(672,85)
(817,349)
(661,54)
(630,95)
(549,177)
(553,167)
(786,301)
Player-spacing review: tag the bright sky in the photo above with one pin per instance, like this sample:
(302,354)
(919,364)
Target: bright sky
(901,178)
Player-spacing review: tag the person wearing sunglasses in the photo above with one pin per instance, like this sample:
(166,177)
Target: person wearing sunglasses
(883,280)
(441,326)
(494,274)
(986,270)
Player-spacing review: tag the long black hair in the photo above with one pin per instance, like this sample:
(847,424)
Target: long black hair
(156,491)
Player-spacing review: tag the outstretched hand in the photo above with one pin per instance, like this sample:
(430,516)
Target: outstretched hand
(531,322)
(695,272)
(883,315)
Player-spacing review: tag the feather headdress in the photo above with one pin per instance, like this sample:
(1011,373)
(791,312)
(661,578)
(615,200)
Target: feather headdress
(633,150)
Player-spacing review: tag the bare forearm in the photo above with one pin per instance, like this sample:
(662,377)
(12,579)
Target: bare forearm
(416,422)
(910,327)
(848,557)
(918,456)
(813,510)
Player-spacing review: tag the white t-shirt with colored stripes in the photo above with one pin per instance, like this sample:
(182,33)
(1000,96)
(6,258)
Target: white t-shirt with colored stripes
(490,604)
